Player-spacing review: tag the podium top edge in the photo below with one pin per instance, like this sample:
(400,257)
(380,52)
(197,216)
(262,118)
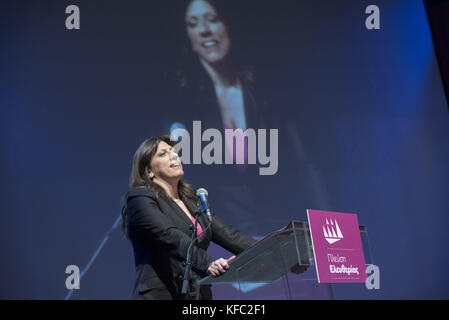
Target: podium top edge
(362,228)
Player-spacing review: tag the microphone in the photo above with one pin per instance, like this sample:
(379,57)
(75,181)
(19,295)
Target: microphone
(202,194)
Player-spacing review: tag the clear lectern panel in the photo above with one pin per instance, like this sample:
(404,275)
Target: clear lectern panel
(271,258)
(280,266)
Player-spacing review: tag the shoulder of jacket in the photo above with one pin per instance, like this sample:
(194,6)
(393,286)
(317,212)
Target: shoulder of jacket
(140,192)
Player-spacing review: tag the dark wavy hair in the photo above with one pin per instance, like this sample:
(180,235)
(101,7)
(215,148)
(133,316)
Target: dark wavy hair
(141,167)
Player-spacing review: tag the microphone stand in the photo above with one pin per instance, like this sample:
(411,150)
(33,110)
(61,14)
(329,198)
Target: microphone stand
(185,280)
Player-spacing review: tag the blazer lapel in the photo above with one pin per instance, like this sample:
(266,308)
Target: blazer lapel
(177,214)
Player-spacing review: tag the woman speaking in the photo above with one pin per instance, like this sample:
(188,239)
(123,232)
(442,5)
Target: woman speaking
(158,212)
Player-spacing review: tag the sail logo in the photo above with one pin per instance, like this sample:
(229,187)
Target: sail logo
(332,232)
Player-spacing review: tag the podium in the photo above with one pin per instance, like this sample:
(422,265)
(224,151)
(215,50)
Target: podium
(285,256)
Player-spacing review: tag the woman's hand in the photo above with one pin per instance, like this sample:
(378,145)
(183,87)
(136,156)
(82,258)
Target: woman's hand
(219,266)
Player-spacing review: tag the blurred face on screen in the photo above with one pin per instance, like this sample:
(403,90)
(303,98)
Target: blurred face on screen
(207,33)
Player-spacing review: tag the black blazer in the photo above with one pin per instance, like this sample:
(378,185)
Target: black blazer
(159,232)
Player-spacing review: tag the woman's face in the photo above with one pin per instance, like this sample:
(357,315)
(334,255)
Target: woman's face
(207,33)
(165,164)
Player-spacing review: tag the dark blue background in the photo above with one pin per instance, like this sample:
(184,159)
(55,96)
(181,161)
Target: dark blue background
(365,118)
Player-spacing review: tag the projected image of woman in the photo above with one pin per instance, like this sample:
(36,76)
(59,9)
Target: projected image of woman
(212,82)
(212,79)
(211,42)
(216,83)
